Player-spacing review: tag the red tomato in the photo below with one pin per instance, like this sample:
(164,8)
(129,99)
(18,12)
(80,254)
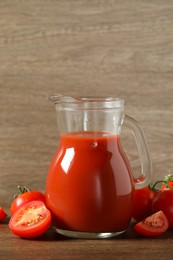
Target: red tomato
(154,225)
(167,182)
(164,201)
(26,197)
(3,214)
(167,186)
(30,220)
(142,203)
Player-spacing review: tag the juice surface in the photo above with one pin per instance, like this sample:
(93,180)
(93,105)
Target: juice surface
(89,185)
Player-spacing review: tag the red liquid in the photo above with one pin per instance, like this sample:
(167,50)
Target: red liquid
(89,185)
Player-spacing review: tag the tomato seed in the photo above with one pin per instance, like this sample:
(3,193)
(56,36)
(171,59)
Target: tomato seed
(32,221)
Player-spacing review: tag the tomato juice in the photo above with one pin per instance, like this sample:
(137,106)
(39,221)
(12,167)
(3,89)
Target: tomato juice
(90,186)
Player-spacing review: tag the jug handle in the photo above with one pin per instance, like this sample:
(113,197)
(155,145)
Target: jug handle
(146,165)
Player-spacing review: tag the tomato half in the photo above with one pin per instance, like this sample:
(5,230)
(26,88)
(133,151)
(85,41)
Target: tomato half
(30,220)
(154,225)
(3,214)
(26,197)
(142,203)
(164,201)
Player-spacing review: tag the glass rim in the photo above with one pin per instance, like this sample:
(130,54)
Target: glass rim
(86,102)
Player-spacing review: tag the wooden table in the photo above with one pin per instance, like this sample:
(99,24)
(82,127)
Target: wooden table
(53,246)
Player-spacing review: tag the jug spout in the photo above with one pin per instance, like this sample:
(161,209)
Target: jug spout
(58,98)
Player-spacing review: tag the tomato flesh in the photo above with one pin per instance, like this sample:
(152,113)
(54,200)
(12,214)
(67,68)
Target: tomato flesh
(154,225)
(31,220)
(26,197)
(3,214)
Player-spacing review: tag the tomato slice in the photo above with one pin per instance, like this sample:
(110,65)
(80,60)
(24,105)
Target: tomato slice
(154,225)
(3,214)
(31,220)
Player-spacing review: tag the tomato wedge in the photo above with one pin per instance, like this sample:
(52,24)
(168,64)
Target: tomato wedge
(31,220)
(154,225)
(3,214)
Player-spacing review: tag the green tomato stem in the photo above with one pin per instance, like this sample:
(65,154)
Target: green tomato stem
(21,191)
(153,187)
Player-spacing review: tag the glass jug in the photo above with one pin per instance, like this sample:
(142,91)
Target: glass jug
(90,187)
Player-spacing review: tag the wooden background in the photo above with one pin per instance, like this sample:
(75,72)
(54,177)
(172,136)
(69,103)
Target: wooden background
(81,47)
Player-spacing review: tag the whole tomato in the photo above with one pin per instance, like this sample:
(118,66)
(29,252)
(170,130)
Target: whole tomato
(3,214)
(142,203)
(25,196)
(164,201)
(167,182)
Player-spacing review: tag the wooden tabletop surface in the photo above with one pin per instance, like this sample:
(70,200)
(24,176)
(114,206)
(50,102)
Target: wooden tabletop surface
(54,246)
(81,48)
